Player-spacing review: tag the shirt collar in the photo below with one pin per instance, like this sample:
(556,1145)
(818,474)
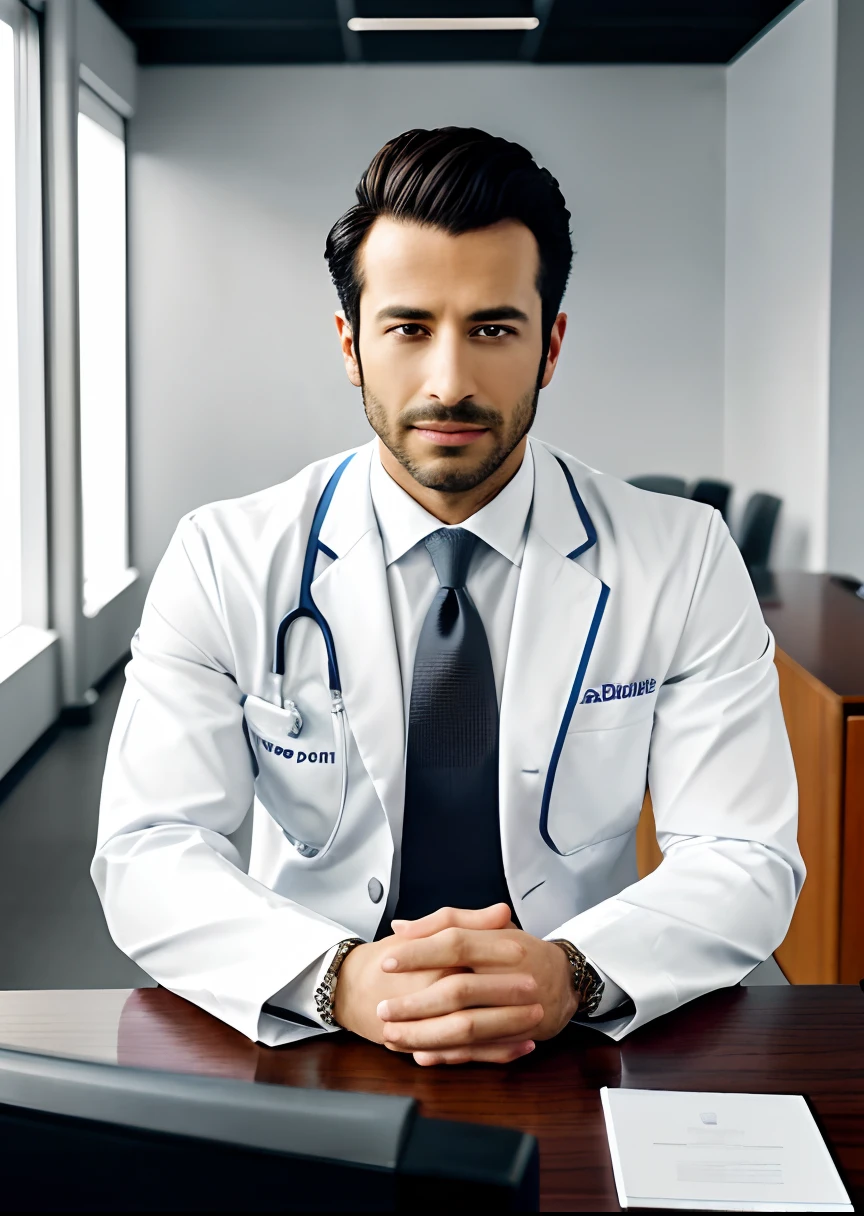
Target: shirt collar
(502,523)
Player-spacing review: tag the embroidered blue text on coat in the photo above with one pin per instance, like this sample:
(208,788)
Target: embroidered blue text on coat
(618,692)
(299,757)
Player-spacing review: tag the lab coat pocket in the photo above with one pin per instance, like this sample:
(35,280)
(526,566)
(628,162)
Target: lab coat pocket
(599,785)
(299,779)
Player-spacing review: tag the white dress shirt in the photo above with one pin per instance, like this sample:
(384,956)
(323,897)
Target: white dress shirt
(492,582)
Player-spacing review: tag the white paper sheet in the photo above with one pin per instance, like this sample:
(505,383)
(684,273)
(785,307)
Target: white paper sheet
(719,1152)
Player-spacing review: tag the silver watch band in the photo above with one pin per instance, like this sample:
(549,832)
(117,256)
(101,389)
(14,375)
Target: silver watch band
(586,982)
(326,990)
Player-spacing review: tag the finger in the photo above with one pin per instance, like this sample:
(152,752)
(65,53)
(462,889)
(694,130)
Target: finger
(496,916)
(462,990)
(453,947)
(464,1028)
(493,1053)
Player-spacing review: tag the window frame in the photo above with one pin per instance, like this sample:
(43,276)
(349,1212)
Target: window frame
(29,652)
(31,337)
(49,662)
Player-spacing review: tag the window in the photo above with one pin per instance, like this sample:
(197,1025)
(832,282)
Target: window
(10,404)
(102,320)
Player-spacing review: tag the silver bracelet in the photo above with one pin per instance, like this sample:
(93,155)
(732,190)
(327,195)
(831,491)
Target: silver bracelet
(326,991)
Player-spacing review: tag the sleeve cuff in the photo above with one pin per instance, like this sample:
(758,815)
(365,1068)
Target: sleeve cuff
(298,995)
(612,997)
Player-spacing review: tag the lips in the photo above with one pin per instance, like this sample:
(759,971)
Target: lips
(448,434)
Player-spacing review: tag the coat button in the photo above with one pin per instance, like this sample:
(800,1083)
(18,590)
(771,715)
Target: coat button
(375,890)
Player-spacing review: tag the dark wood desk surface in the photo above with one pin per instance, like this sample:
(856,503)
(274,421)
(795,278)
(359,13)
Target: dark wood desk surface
(820,625)
(806,1040)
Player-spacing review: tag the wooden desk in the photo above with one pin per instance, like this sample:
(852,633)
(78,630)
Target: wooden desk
(806,1040)
(819,629)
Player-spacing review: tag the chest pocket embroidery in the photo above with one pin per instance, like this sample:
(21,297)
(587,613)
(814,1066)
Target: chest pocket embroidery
(298,779)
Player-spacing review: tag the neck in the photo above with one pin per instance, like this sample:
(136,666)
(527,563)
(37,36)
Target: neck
(454,508)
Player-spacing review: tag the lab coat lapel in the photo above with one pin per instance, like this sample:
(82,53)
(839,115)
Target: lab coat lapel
(352,594)
(555,609)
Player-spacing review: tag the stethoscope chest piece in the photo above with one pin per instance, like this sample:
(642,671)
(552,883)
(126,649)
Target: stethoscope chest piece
(295,718)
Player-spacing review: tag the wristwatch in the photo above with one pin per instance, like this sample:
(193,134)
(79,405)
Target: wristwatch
(586,982)
(326,990)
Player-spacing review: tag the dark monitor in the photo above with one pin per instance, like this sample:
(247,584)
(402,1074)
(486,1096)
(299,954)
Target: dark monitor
(82,1136)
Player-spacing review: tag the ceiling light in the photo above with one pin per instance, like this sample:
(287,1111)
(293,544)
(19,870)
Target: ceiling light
(368,25)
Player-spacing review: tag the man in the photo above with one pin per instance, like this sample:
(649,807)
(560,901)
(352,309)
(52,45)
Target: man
(444,668)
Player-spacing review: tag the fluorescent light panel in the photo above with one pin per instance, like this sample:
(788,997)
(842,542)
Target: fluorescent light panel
(370,25)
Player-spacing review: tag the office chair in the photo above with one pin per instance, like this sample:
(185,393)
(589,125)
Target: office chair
(715,493)
(661,484)
(757,530)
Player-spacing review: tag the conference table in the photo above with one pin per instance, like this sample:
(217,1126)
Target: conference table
(795,1039)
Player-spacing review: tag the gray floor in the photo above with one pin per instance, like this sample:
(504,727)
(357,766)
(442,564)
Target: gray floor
(52,931)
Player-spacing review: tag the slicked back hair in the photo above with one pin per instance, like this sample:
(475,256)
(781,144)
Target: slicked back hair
(456,179)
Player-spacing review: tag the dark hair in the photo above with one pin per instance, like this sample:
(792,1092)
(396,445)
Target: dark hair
(457,179)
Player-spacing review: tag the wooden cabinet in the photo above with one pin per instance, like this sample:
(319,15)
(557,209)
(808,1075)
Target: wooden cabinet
(814,720)
(852,873)
(818,626)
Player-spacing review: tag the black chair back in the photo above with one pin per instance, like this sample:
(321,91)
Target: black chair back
(660,484)
(715,493)
(757,529)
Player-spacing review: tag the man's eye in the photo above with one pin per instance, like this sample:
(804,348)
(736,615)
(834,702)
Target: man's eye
(410,329)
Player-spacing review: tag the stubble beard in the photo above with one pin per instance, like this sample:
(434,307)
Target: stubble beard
(437,475)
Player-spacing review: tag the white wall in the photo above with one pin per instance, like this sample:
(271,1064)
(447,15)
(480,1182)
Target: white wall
(780,139)
(846,450)
(236,175)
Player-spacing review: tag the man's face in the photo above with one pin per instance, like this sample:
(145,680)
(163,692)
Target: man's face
(450,346)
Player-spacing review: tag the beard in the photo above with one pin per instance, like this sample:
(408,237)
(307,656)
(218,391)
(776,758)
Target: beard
(447,472)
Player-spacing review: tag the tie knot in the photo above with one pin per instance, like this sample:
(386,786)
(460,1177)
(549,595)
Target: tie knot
(451,550)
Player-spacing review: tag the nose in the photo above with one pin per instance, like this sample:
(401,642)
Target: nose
(449,377)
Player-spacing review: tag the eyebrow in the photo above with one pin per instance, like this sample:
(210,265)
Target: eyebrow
(504,312)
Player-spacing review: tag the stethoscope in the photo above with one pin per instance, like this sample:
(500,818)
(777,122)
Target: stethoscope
(307,607)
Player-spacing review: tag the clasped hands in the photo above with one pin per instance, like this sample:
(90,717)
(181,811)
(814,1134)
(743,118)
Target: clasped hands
(457,986)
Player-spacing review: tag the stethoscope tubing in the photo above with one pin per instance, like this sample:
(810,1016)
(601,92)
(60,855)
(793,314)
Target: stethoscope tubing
(307,607)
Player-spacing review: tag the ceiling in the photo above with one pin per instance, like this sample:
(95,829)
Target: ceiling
(316,31)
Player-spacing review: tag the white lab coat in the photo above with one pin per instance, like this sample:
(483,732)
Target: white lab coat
(638,652)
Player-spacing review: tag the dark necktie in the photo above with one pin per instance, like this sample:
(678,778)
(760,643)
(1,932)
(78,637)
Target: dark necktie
(451,840)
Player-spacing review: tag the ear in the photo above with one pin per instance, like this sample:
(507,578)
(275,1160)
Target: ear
(346,341)
(555,340)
